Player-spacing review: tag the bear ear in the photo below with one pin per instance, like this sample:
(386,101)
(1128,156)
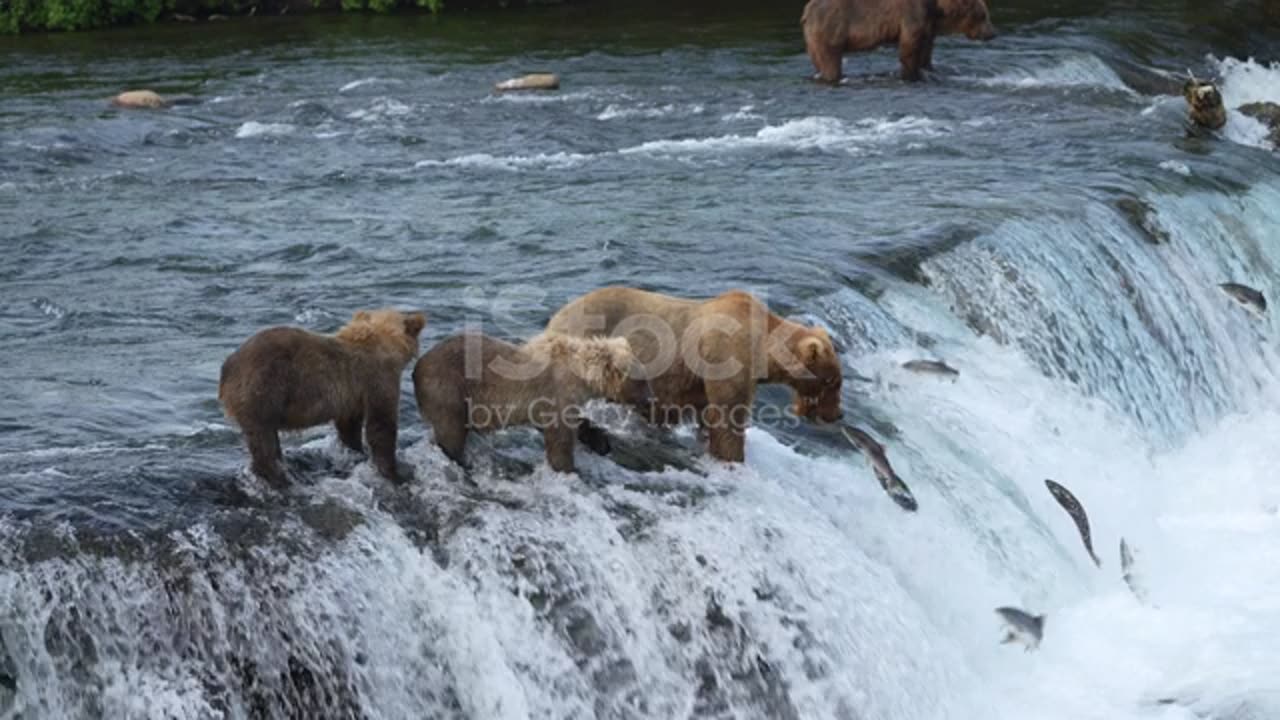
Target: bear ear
(810,349)
(413,323)
(622,355)
(361,316)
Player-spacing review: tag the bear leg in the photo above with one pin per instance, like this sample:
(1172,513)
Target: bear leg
(827,60)
(267,457)
(726,418)
(727,444)
(451,436)
(380,429)
(926,53)
(909,55)
(594,438)
(349,432)
(559,444)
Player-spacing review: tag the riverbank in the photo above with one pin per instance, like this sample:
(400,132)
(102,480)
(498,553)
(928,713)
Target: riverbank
(21,16)
(1246,28)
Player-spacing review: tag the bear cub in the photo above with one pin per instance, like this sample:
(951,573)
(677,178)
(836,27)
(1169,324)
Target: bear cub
(287,378)
(471,382)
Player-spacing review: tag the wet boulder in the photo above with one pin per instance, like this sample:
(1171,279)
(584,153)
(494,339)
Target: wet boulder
(139,99)
(533,81)
(1267,113)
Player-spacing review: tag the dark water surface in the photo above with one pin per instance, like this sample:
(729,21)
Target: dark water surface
(335,163)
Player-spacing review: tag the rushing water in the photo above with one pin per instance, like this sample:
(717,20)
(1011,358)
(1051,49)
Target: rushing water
(985,217)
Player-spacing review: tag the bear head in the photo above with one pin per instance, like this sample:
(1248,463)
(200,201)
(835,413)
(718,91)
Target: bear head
(966,17)
(816,384)
(606,365)
(385,332)
(1205,103)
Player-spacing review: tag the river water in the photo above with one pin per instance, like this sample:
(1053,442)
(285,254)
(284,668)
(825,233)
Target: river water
(991,217)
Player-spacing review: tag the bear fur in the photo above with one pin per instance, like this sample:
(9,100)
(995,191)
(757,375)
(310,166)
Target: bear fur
(286,378)
(705,357)
(834,27)
(471,382)
(1204,104)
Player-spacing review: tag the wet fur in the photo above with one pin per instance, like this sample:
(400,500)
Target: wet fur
(834,27)
(571,371)
(287,378)
(812,371)
(1204,104)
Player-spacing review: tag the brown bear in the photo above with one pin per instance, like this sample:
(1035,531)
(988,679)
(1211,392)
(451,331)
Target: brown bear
(705,357)
(1204,104)
(834,27)
(473,382)
(286,378)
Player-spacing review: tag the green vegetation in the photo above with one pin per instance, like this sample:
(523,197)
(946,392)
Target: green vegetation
(41,15)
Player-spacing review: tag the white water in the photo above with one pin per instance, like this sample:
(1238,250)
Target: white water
(807,133)
(253,128)
(1247,81)
(1063,70)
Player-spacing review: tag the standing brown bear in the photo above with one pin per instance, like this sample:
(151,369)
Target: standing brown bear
(834,27)
(286,378)
(475,383)
(704,358)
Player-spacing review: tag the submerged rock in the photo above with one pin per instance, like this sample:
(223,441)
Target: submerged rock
(533,81)
(1267,113)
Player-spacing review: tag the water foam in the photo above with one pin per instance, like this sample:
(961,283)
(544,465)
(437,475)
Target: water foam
(552,161)
(617,112)
(541,98)
(821,133)
(1072,71)
(382,108)
(818,132)
(252,129)
(746,112)
(354,84)
(1243,82)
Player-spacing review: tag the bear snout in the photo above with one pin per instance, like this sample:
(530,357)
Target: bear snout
(985,32)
